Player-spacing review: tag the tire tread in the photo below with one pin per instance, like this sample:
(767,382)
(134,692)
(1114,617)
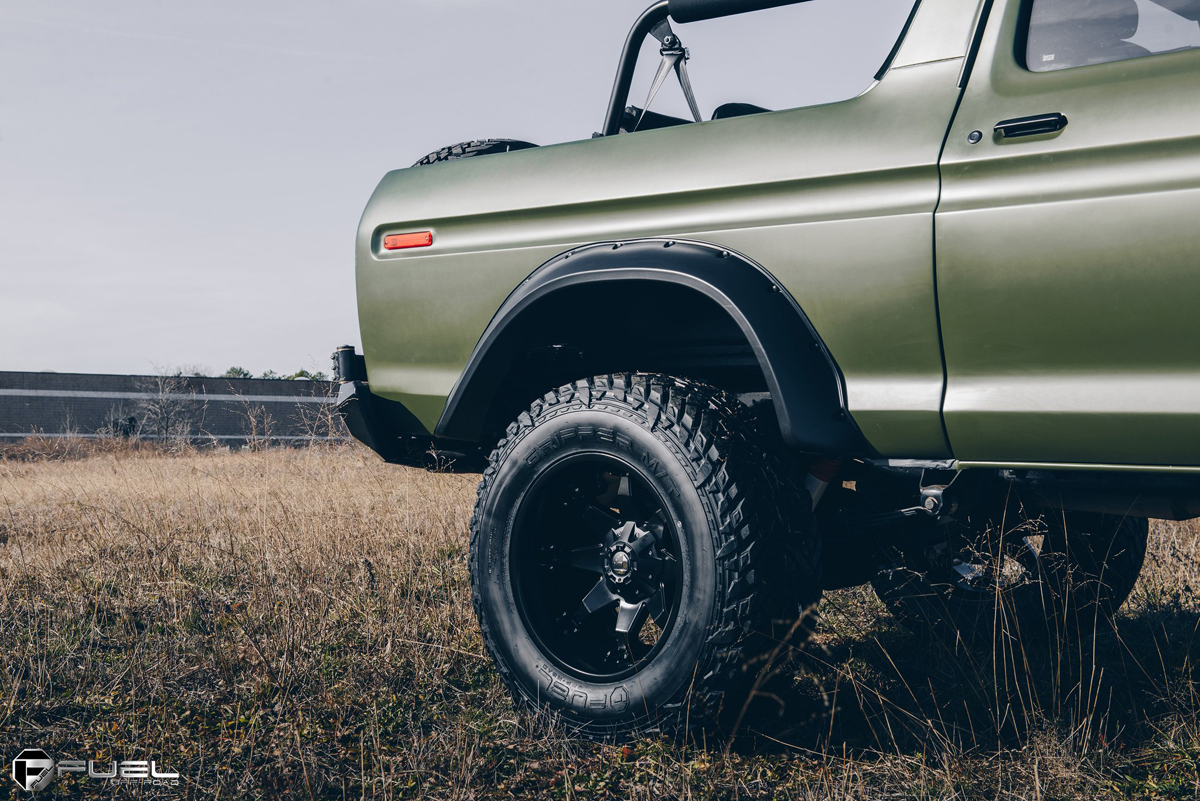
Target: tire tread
(754,505)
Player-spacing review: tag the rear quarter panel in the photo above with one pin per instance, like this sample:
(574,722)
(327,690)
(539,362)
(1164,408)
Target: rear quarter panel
(835,201)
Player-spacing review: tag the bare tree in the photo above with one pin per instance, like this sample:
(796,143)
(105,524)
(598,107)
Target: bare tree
(169,410)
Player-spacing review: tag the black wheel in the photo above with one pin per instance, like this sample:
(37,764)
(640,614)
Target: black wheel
(633,552)
(1012,570)
(466,150)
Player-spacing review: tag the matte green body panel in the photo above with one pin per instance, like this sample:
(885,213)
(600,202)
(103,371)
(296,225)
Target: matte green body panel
(1069,264)
(835,201)
(940,32)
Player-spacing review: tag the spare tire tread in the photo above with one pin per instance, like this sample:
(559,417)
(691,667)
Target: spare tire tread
(478,147)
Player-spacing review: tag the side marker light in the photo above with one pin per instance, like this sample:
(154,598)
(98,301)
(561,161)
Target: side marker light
(402,241)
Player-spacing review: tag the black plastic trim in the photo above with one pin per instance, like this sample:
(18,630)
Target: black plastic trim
(981,21)
(393,432)
(887,63)
(377,422)
(803,379)
(1031,126)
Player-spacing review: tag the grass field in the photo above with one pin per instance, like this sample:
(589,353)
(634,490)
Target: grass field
(298,623)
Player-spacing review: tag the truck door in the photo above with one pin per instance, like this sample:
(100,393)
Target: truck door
(1068,237)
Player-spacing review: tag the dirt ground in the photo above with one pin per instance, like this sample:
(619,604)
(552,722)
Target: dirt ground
(298,623)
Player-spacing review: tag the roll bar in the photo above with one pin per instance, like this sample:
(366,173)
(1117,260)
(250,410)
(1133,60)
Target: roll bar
(680,11)
(696,10)
(629,56)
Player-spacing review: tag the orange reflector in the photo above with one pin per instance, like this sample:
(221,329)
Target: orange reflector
(402,241)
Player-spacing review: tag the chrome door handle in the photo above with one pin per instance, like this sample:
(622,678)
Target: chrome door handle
(1031,126)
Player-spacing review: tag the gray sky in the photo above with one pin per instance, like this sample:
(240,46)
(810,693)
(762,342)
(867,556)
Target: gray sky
(180,183)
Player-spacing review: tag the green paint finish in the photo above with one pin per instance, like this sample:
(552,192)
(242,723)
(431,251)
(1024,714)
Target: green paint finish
(1069,264)
(835,201)
(1066,264)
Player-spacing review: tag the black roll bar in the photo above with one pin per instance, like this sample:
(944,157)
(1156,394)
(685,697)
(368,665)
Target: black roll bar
(629,56)
(680,11)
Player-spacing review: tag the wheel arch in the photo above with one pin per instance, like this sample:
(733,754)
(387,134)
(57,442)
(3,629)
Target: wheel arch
(726,320)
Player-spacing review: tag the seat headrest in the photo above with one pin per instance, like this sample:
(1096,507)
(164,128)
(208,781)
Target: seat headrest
(1078,32)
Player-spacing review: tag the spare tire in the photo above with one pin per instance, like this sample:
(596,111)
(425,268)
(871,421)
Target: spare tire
(466,150)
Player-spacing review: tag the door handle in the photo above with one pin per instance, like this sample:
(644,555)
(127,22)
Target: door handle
(1031,126)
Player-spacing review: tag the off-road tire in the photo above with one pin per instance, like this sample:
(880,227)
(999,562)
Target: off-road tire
(466,150)
(756,558)
(1087,567)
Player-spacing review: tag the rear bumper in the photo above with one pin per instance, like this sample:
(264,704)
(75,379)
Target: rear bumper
(389,428)
(357,406)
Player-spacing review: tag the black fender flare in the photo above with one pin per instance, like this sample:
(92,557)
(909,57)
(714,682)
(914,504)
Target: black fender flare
(804,381)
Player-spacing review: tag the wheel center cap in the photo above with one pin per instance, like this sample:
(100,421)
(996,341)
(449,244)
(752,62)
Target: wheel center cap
(622,563)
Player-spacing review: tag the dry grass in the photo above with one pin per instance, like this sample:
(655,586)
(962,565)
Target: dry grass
(298,623)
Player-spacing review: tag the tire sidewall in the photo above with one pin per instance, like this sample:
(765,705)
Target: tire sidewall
(620,432)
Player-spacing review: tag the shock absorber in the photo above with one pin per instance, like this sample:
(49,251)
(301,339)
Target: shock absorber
(821,473)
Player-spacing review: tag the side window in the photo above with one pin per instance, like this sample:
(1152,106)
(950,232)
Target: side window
(1075,33)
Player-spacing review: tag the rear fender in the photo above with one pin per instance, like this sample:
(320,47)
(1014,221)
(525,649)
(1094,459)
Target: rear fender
(805,383)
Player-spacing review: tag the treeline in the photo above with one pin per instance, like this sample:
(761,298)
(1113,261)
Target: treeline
(242,372)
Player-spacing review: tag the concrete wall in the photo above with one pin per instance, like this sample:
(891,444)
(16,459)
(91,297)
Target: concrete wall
(231,410)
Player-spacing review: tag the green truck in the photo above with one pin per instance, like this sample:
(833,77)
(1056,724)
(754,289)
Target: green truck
(942,337)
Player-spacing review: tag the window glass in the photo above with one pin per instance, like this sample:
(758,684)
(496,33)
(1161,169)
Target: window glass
(1075,33)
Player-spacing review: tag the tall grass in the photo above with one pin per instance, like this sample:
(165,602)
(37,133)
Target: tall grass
(298,623)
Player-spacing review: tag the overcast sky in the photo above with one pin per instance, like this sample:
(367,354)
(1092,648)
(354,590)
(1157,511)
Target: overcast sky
(180,183)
